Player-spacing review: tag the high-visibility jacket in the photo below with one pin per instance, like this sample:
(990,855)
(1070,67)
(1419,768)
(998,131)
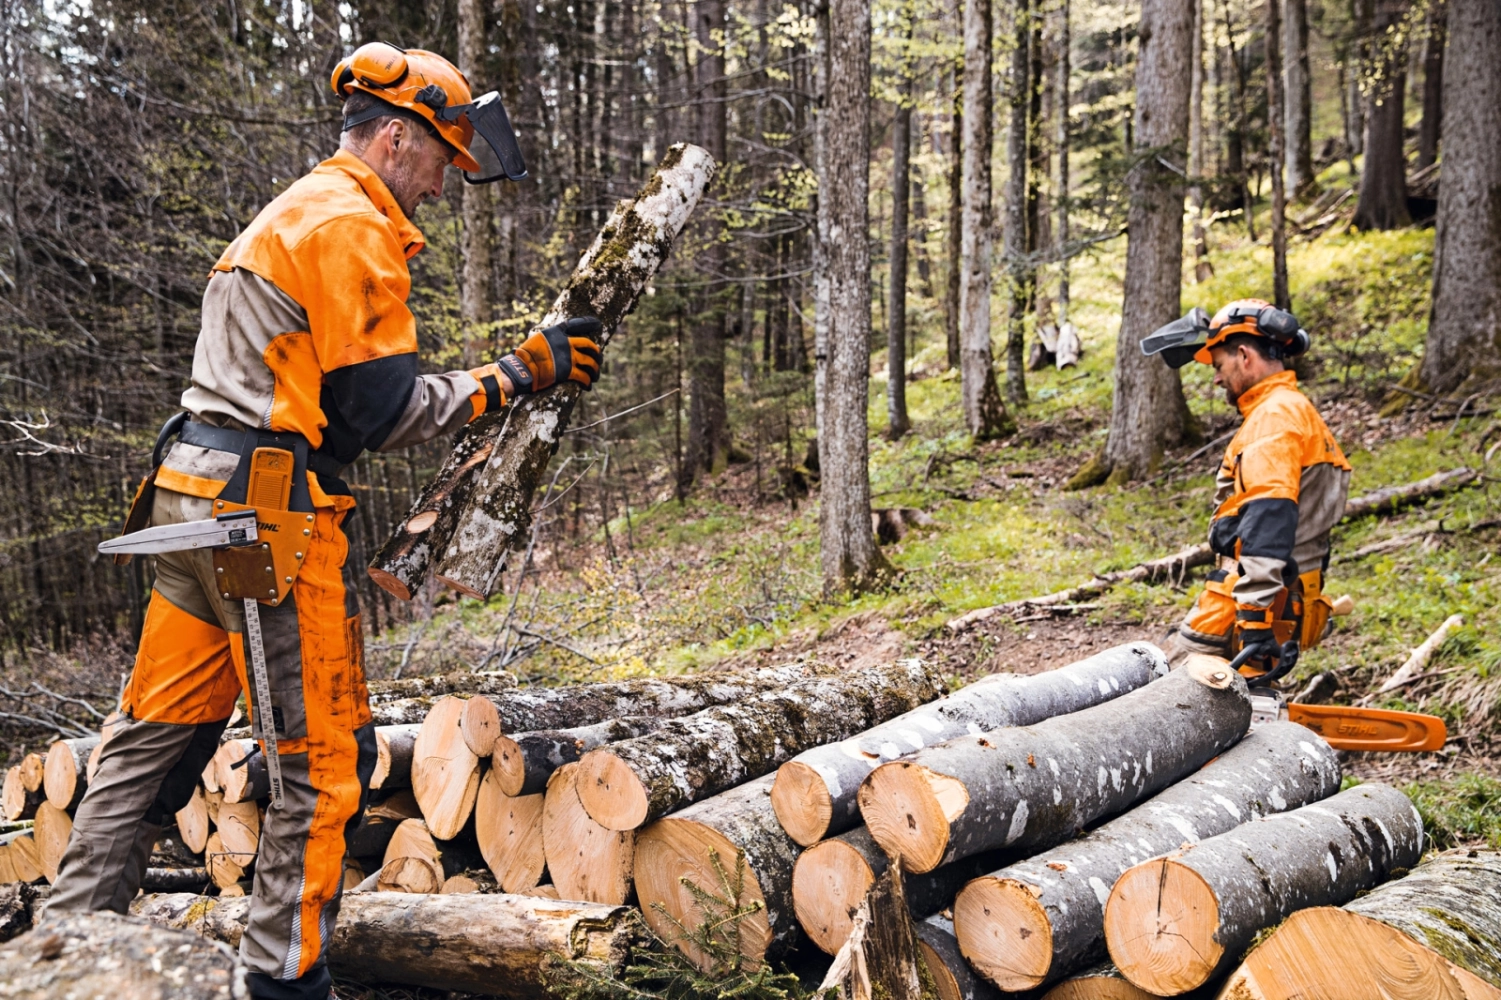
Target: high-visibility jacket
(1281,488)
(306,329)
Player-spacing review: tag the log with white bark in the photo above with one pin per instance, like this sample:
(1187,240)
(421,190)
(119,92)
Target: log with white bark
(699,845)
(175,880)
(51,832)
(1419,657)
(585,860)
(19,803)
(93,955)
(1039,919)
(953,977)
(445,771)
(624,785)
(523,763)
(1105,982)
(815,792)
(881,959)
(1433,935)
(491,944)
(1173,923)
(437,685)
(66,773)
(509,831)
(1034,786)
(830,878)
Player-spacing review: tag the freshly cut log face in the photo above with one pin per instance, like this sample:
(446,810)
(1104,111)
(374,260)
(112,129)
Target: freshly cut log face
(699,845)
(19,802)
(586,861)
(66,774)
(952,976)
(7,876)
(25,858)
(509,831)
(496,945)
(830,878)
(881,958)
(1173,923)
(480,725)
(393,756)
(240,827)
(410,874)
(1039,919)
(1036,785)
(526,761)
(626,784)
(1105,982)
(226,868)
(815,793)
(445,772)
(1429,936)
(33,771)
(51,831)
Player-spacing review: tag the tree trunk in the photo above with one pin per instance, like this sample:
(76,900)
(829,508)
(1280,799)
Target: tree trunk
(1464,329)
(1038,920)
(955,222)
(1428,936)
(701,847)
(1273,38)
(627,784)
(1298,100)
(66,776)
(896,322)
(1433,86)
(523,764)
(851,560)
(471,515)
(1148,409)
(815,792)
(1036,786)
(1356,55)
(109,955)
(1016,239)
(1173,923)
(586,861)
(1064,91)
(1203,269)
(494,945)
(476,208)
(881,958)
(1383,182)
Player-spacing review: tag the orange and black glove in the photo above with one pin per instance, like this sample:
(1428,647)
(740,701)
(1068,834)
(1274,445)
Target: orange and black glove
(567,351)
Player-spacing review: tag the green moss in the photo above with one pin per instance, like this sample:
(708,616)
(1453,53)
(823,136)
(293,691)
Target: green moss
(1458,811)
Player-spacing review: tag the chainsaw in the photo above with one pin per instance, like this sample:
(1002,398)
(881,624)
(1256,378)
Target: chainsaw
(1368,729)
(258,548)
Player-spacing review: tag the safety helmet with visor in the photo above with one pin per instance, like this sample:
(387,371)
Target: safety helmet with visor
(1191,337)
(427,88)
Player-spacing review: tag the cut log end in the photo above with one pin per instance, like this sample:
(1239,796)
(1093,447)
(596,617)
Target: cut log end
(53,826)
(33,771)
(586,861)
(508,764)
(908,808)
(1160,924)
(828,883)
(18,802)
(800,797)
(611,792)
(389,582)
(410,873)
(509,830)
(1097,987)
(62,774)
(445,772)
(1004,932)
(480,725)
(671,852)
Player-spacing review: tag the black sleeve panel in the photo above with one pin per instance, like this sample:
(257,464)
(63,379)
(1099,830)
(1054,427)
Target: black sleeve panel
(1223,531)
(363,402)
(1268,528)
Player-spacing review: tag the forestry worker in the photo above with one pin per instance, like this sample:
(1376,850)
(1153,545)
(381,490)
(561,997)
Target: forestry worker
(1281,488)
(307,345)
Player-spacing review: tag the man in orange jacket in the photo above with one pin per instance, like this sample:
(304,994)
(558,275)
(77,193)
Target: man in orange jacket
(1281,488)
(307,345)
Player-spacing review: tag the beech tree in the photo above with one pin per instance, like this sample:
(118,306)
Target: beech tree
(1280,294)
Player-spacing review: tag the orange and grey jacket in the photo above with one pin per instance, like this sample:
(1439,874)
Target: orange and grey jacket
(306,329)
(1281,488)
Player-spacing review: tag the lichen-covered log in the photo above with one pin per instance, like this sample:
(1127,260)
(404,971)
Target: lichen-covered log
(1039,919)
(1390,498)
(1035,786)
(881,959)
(952,975)
(437,685)
(1173,923)
(1433,935)
(700,845)
(522,764)
(533,708)
(491,944)
(626,784)
(123,958)
(815,793)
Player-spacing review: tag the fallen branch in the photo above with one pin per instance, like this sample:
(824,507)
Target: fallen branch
(1420,656)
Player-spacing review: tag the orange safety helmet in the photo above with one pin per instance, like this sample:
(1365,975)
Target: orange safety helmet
(425,84)
(1190,338)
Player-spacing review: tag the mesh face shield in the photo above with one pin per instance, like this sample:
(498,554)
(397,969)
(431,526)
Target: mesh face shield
(1178,341)
(498,154)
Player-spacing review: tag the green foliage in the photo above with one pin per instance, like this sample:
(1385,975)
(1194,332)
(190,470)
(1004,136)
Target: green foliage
(1462,810)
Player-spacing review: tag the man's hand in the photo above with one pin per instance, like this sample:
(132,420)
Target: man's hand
(567,351)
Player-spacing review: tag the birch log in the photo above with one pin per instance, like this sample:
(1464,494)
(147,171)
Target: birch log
(66,775)
(1040,919)
(1035,786)
(1434,935)
(523,763)
(437,685)
(627,784)
(815,792)
(491,944)
(1173,923)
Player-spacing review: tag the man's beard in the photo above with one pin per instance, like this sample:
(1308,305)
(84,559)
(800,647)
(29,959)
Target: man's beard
(404,188)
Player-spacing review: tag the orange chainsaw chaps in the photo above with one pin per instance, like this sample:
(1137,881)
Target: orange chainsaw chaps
(1371,729)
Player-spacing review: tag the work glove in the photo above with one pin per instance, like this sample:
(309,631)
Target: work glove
(567,351)
(1261,644)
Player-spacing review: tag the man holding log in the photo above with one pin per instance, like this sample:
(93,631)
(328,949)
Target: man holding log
(1280,490)
(307,352)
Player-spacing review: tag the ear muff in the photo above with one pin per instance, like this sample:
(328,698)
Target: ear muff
(374,64)
(342,80)
(1283,329)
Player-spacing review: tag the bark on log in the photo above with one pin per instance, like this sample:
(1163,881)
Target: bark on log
(1105,982)
(445,771)
(1173,923)
(1037,920)
(699,845)
(830,878)
(393,756)
(1389,499)
(19,802)
(371,838)
(495,945)
(18,906)
(437,685)
(509,831)
(66,773)
(585,860)
(533,708)
(123,958)
(815,792)
(627,784)
(523,763)
(1036,786)
(881,958)
(607,282)
(1432,935)
(953,977)
(175,880)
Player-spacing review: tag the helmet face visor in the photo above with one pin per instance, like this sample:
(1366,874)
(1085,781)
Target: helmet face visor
(494,146)
(1178,340)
